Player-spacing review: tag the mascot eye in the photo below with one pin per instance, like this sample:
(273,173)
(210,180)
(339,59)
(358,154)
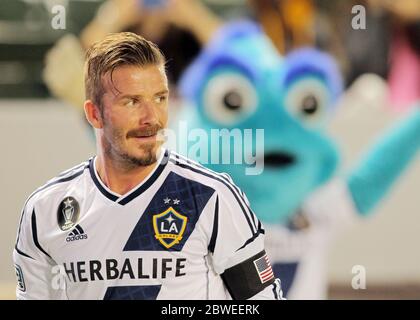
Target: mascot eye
(229,98)
(310,104)
(233,100)
(307,100)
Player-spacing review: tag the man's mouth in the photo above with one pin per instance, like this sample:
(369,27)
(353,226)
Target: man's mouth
(146,135)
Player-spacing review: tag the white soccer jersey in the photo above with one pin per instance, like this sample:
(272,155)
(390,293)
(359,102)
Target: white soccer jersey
(298,251)
(174,236)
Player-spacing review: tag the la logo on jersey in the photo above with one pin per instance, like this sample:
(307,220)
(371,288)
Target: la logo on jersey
(169,227)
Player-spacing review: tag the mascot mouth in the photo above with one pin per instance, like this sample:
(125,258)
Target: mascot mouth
(279,159)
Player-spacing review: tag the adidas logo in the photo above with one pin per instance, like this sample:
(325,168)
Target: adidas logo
(76,234)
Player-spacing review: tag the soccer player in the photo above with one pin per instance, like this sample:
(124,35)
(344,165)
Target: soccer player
(138,221)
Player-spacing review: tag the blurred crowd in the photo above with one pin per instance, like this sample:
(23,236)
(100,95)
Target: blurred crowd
(389,46)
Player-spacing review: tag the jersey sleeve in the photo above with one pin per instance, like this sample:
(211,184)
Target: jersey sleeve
(331,207)
(34,267)
(237,246)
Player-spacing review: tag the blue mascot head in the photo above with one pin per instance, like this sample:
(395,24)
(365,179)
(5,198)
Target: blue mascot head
(277,106)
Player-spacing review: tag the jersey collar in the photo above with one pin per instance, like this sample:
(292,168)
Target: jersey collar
(135,192)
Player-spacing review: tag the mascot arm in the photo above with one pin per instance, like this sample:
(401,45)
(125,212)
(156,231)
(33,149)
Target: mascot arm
(64,63)
(370,181)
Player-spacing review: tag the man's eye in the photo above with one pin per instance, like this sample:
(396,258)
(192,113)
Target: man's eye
(131,102)
(161,99)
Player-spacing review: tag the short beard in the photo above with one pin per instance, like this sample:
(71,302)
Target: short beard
(127,161)
(133,162)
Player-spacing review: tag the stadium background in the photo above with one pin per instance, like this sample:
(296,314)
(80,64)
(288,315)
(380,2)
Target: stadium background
(40,136)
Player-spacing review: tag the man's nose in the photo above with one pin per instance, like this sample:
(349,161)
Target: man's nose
(148,114)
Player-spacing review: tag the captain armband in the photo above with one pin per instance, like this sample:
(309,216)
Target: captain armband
(249,277)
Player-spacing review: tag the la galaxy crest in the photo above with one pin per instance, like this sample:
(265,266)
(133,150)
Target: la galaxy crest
(169,227)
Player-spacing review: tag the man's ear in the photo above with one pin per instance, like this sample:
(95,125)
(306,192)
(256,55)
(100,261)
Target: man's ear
(93,114)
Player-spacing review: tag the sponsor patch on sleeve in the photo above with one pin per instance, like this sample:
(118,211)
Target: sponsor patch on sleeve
(20,279)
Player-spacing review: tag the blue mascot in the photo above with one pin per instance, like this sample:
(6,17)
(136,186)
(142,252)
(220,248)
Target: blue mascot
(240,81)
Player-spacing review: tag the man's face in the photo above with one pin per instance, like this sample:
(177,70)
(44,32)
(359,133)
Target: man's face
(134,109)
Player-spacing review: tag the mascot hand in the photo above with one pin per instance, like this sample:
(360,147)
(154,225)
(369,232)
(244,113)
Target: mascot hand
(63,72)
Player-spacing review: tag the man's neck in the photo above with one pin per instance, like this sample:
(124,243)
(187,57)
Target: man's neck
(121,179)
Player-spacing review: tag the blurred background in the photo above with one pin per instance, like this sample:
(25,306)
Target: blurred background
(42,130)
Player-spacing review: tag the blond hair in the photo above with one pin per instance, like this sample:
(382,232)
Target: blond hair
(115,50)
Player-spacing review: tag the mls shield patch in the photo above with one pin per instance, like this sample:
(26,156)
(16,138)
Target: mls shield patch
(169,227)
(68,213)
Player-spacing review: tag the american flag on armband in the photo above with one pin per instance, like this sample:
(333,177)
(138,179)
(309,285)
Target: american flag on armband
(264,269)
